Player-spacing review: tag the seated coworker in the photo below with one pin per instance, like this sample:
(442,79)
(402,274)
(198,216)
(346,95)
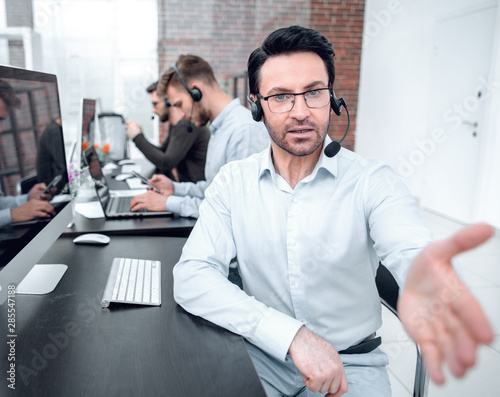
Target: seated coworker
(25,207)
(234,134)
(184,149)
(308,230)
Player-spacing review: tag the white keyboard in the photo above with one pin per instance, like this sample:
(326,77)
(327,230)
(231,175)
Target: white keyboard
(135,281)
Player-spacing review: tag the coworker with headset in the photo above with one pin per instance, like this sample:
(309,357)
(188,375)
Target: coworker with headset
(182,155)
(308,229)
(190,85)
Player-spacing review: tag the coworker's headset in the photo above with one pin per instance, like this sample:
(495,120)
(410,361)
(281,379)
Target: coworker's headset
(336,104)
(195,94)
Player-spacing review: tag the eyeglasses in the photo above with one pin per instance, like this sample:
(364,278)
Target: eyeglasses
(282,103)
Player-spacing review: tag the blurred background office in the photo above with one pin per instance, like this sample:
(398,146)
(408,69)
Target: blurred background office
(421,80)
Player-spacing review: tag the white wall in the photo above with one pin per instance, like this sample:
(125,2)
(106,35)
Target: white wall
(489,181)
(394,93)
(101,49)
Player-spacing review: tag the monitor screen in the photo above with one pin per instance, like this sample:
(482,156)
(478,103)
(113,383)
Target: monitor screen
(31,152)
(87,122)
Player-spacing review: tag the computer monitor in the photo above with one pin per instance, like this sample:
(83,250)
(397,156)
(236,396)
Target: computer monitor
(87,124)
(31,150)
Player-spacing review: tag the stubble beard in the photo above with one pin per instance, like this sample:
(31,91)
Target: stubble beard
(299,149)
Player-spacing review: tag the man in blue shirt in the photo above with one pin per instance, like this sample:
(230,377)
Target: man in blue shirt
(191,86)
(308,231)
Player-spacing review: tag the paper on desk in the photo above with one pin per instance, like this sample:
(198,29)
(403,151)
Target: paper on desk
(91,210)
(127,193)
(135,183)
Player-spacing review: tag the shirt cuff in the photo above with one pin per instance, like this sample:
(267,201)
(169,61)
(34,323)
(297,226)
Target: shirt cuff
(275,333)
(22,199)
(180,189)
(173,204)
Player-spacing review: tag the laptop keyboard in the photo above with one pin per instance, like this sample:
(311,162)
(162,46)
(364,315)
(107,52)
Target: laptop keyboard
(121,205)
(118,205)
(136,281)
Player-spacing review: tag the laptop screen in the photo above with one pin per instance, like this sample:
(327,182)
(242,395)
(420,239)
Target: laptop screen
(95,169)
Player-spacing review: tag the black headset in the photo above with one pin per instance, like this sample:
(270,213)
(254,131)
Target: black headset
(194,92)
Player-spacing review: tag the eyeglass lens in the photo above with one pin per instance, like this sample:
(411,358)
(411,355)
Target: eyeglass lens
(284,102)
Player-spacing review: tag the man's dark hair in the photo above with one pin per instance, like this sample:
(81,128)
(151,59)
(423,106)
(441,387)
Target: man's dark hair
(288,41)
(191,67)
(8,95)
(152,87)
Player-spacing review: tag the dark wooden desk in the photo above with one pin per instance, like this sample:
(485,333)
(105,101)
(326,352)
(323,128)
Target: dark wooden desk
(173,226)
(67,345)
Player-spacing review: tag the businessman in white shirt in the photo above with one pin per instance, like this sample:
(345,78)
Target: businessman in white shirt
(308,230)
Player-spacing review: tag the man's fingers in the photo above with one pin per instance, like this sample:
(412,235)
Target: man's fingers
(433,360)
(472,315)
(465,239)
(341,388)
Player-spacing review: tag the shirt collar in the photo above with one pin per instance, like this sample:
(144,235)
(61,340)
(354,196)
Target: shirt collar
(325,162)
(214,125)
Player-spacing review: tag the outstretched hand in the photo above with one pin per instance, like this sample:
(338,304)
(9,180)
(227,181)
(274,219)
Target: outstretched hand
(438,310)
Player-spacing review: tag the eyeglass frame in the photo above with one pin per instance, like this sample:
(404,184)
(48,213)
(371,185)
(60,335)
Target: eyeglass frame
(294,95)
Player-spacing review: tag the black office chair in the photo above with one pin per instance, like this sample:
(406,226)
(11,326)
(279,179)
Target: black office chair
(388,291)
(26,183)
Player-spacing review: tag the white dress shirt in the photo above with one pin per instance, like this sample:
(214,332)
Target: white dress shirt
(234,135)
(307,255)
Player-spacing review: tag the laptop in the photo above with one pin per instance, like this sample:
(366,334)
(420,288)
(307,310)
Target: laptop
(113,206)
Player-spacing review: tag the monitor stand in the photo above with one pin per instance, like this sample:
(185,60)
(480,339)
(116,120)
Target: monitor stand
(41,279)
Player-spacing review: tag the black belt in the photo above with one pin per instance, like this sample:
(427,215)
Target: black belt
(365,346)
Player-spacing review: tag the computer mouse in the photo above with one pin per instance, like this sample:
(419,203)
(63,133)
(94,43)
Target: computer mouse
(92,238)
(122,177)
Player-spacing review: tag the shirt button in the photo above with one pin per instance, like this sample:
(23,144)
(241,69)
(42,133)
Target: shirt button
(295,285)
(295,200)
(292,243)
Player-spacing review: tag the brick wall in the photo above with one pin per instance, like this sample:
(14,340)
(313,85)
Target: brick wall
(225,32)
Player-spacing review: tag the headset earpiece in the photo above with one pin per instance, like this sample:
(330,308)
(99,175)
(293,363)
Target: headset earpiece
(194,92)
(335,103)
(334,147)
(256,109)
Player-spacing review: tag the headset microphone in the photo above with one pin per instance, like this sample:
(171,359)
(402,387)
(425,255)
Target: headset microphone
(334,147)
